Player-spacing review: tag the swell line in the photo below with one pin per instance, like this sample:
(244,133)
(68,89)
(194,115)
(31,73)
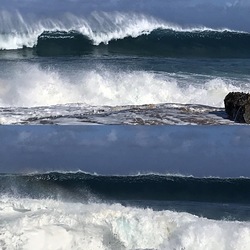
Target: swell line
(119,33)
(159,42)
(139,187)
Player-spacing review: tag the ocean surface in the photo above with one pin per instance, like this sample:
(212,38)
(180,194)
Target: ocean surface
(89,64)
(113,63)
(82,211)
(124,187)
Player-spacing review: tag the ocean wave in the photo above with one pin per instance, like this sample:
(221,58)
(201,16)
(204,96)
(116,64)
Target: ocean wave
(119,33)
(103,86)
(100,27)
(31,223)
(159,42)
(82,186)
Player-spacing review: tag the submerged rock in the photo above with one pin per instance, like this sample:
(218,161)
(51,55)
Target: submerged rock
(237,106)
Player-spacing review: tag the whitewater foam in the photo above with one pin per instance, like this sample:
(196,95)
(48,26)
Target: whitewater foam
(29,223)
(31,86)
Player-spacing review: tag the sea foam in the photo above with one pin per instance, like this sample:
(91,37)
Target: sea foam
(30,85)
(50,224)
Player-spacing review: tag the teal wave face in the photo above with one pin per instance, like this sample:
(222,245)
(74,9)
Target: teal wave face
(63,43)
(170,43)
(81,186)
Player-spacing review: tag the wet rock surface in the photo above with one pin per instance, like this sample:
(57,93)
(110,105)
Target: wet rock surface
(237,106)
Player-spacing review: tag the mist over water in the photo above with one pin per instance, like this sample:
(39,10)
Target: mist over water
(216,14)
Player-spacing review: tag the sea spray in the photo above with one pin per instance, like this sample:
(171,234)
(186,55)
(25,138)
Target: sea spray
(18,31)
(120,33)
(31,85)
(29,223)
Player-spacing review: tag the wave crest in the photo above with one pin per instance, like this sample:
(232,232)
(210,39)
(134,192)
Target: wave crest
(117,32)
(100,27)
(81,186)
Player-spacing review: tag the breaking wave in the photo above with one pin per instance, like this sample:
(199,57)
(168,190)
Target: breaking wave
(51,224)
(160,42)
(30,86)
(119,33)
(140,187)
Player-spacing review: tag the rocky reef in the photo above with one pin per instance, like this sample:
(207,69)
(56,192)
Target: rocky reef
(237,106)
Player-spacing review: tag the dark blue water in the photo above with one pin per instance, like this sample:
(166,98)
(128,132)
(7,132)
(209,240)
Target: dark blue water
(202,170)
(214,198)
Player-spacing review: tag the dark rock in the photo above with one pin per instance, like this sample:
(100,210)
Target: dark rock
(237,106)
(247,112)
